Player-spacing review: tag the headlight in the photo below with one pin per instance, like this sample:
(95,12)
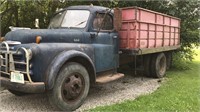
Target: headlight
(30,54)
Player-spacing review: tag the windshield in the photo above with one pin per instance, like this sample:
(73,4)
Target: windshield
(70,19)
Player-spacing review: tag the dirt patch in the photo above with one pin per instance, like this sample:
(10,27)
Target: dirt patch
(100,95)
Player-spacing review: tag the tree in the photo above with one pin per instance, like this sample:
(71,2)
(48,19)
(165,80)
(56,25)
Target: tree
(23,13)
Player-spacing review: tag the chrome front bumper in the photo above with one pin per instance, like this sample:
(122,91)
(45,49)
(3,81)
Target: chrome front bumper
(7,65)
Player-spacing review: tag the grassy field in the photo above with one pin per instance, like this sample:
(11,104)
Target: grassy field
(181,92)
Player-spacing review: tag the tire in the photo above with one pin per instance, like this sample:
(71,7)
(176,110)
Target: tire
(158,65)
(146,65)
(71,87)
(17,93)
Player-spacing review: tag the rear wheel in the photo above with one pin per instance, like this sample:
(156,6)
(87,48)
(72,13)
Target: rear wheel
(158,65)
(71,87)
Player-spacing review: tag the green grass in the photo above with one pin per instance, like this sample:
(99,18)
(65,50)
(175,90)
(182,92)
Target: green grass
(181,92)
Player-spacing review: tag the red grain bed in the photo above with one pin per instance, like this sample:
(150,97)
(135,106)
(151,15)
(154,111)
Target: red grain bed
(146,29)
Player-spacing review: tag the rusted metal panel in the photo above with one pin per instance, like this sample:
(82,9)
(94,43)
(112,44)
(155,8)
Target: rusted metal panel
(108,78)
(36,87)
(151,30)
(117,19)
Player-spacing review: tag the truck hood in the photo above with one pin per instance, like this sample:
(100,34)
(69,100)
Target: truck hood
(48,35)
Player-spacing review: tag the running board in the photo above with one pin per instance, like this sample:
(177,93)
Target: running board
(108,78)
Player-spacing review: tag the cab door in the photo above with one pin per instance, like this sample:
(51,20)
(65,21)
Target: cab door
(105,42)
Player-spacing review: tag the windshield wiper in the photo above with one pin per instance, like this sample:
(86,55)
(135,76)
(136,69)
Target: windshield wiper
(77,24)
(81,23)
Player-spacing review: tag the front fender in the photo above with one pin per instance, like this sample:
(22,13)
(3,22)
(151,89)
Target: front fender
(59,61)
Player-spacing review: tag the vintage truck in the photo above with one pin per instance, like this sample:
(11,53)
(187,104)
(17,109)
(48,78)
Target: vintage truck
(85,45)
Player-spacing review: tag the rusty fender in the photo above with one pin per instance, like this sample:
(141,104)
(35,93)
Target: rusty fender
(59,61)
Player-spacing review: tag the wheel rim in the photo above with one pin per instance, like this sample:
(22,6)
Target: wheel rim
(162,65)
(73,87)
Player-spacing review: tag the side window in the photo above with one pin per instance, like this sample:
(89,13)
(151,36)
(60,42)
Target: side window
(105,23)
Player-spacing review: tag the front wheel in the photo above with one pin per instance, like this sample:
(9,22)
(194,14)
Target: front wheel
(71,87)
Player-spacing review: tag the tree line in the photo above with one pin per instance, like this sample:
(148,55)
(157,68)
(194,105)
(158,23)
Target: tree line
(22,13)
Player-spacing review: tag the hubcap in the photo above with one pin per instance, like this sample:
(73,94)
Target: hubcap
(72,87)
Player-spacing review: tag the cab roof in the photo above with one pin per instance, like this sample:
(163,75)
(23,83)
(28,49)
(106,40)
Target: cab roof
(88,7)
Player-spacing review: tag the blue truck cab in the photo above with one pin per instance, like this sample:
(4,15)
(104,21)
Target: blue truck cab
(63,60)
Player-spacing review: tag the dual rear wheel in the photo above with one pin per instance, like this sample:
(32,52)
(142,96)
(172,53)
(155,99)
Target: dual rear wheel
(155,65)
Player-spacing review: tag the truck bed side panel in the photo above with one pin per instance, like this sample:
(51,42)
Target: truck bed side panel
(142,28)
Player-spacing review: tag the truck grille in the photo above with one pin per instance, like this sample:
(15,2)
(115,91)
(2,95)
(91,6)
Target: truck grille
(14,61)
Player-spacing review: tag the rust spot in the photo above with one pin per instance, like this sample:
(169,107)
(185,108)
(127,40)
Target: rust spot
(117,19)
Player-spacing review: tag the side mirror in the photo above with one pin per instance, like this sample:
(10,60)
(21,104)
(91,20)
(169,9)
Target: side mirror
(117,19)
